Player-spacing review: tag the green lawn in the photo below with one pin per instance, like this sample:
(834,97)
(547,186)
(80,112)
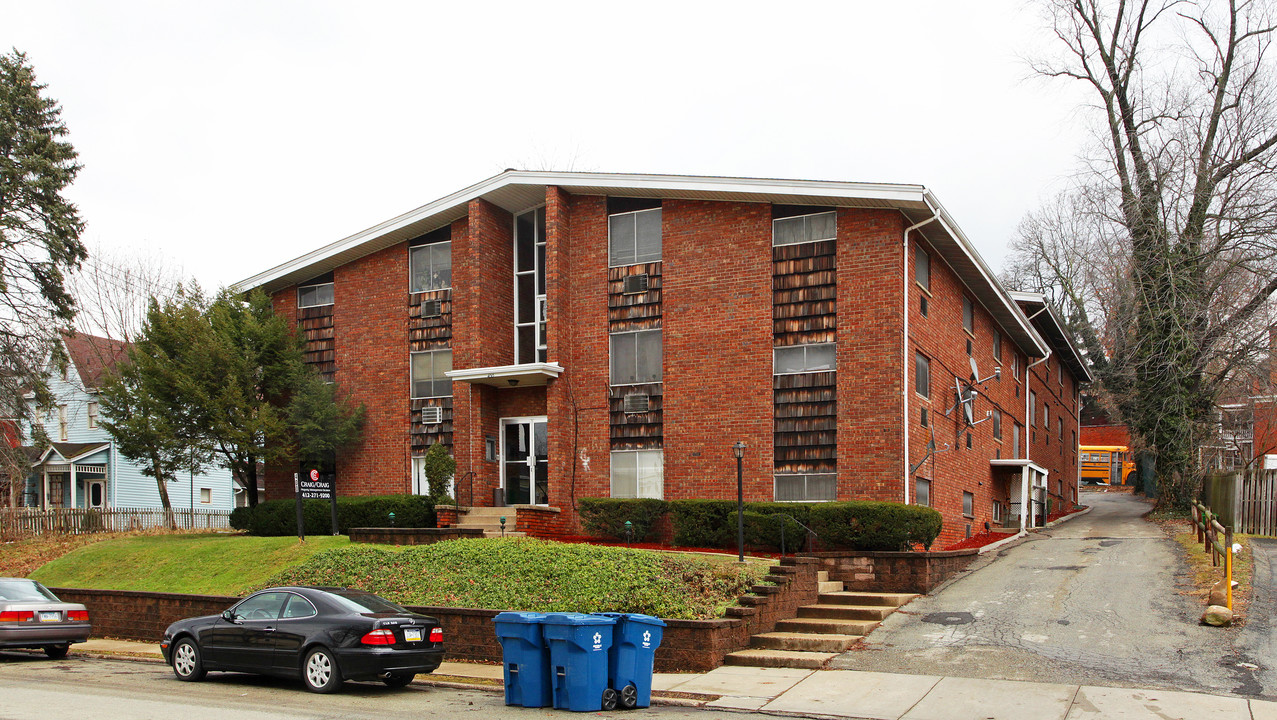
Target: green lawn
(205,564)
(498,573)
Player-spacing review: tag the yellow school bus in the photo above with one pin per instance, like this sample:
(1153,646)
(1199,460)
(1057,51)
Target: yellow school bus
(1106,464)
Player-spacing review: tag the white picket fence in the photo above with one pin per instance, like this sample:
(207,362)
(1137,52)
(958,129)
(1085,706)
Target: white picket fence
(24,522)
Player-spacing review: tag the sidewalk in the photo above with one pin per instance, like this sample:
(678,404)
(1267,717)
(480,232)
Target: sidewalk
(862,695)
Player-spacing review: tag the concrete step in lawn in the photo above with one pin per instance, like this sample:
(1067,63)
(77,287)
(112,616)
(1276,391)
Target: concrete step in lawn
(756,657)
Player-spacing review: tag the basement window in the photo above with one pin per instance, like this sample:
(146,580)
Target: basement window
(968,504)
(922,492)
(638,474)
(813,487)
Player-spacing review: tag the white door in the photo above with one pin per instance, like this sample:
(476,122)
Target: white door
(525,453)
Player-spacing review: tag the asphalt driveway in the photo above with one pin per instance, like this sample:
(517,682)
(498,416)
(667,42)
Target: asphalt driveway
(1096,600)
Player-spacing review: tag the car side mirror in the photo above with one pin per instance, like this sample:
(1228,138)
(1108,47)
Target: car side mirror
(229,616)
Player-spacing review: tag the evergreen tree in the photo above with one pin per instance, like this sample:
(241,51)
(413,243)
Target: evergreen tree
(39,235)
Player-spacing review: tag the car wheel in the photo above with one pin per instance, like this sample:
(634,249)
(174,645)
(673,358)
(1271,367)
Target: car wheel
(398,680)
(56,652)
(186,661)
(320,671)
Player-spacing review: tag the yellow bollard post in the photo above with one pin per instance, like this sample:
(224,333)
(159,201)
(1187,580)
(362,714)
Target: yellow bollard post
(1228,564)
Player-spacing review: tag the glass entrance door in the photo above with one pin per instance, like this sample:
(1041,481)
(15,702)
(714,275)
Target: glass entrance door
(524,459)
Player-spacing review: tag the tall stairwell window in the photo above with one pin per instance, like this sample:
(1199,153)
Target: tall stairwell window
(529,287)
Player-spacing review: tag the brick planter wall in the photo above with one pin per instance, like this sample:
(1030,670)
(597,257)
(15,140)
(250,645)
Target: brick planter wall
(688,645)
(140,615)
(411,536)
(910,572)
(541,521)
(445,515)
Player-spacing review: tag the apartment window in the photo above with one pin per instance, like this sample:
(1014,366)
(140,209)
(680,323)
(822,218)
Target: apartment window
(428,378)
(996,513)
(922,305)
(1059,375)
(638,474)
(968,504)
(997,424)
(529,287)
(922,269)
(803,358)
(633,237)
(430,267)
(1015,365)
(1060,421)
(815,487)
(924,417)
(968,441)
(997,345)
(1033,408)
(804,228)
(315,295)
(1046,417)
(636,357)
(93,415)
(968,315)
(206,496)
(1073,437)
(62,422)
(921,492)
(922,375)
(1015,440)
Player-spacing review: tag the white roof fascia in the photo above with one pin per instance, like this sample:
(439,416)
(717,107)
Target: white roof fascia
(819,188)
(951,227)
(1018,295)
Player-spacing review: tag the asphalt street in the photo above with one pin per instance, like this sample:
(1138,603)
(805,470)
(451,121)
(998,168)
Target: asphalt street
(33,688)
(1097,600)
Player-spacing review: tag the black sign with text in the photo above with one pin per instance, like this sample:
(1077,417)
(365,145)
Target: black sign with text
(316,486)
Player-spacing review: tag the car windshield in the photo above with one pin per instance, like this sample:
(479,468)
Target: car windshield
(25,591)
(362,602)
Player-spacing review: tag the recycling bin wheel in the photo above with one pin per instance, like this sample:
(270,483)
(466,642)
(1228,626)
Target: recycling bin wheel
(629,696)
(609,699)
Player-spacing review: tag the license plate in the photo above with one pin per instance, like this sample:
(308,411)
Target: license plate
(50,616)
(412,634)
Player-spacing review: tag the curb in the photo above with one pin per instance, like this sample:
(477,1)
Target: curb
(1002,543)
(1067,518)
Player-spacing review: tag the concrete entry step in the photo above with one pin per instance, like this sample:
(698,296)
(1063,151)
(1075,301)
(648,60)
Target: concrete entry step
(894,600)
(845,612)
(779,658)
(822,576)
(826,625)
(829,586)
(805,642)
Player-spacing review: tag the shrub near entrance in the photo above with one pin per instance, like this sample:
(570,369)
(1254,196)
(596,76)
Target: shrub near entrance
(867,525)
(279,517)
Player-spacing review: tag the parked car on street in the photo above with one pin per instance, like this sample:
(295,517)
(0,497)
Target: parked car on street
(322,635)
(33,617)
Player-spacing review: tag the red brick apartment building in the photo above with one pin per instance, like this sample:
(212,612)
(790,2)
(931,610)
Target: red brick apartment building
(575,335)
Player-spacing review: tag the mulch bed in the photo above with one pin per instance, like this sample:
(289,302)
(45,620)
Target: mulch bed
(979,541)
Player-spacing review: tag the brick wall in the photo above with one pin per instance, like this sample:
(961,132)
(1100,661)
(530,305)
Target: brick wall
(907,572)
(1058,454)
(141,615)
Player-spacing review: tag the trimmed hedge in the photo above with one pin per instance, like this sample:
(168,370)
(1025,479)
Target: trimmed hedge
(856,525)
(607,516)
(279,517)
(868,525)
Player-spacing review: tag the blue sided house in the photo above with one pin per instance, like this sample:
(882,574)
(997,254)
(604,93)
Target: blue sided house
(80,467)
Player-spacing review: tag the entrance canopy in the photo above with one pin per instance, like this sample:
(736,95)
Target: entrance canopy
(506,376)
(1028,495)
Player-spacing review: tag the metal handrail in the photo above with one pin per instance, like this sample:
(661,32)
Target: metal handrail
(811,533)
(468,478)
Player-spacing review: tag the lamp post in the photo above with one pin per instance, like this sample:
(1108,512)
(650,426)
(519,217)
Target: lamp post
(629,533)
(739,450)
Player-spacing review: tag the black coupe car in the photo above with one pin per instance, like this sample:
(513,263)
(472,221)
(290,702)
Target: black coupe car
(322,635)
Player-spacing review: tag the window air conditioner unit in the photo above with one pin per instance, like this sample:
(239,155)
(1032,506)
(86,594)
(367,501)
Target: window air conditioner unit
(637,403)
(431,415)
(431,308)
(635,284)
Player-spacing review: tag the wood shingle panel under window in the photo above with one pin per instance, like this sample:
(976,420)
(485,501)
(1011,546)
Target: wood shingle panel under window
(805,437)
(429,333)
(424,435)
(634,311)
(319,346)
(636,431)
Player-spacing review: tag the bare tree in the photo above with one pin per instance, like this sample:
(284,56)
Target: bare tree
(1183,169)
(113,287)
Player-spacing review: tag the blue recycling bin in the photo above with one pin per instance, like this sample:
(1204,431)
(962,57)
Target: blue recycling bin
(579,645)
(629,665)
(525,658)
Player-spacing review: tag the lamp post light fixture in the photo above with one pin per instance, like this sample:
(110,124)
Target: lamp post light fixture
(392,519)
(503,526)
(629,533)
(739,451)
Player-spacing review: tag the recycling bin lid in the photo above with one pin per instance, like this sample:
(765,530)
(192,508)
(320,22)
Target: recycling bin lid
(519,617)
(645,619)
(571,618)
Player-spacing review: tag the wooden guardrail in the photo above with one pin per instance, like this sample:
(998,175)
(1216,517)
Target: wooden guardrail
(1208,531)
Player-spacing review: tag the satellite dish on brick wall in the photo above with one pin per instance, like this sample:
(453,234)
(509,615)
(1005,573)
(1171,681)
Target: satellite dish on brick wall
(975,371)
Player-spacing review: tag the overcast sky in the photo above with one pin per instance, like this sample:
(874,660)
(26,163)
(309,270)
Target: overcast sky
(233,136)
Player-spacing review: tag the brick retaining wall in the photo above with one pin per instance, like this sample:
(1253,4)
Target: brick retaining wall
(910,572)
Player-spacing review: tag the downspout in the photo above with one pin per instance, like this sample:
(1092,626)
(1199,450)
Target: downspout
(1028,431)
(904,385)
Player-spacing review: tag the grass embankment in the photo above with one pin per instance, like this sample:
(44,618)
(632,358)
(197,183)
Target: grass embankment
(18,558)
(1203,575)
(535,575)
(204,564)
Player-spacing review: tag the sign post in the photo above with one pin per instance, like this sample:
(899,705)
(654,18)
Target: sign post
(297,493)
(321,487)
